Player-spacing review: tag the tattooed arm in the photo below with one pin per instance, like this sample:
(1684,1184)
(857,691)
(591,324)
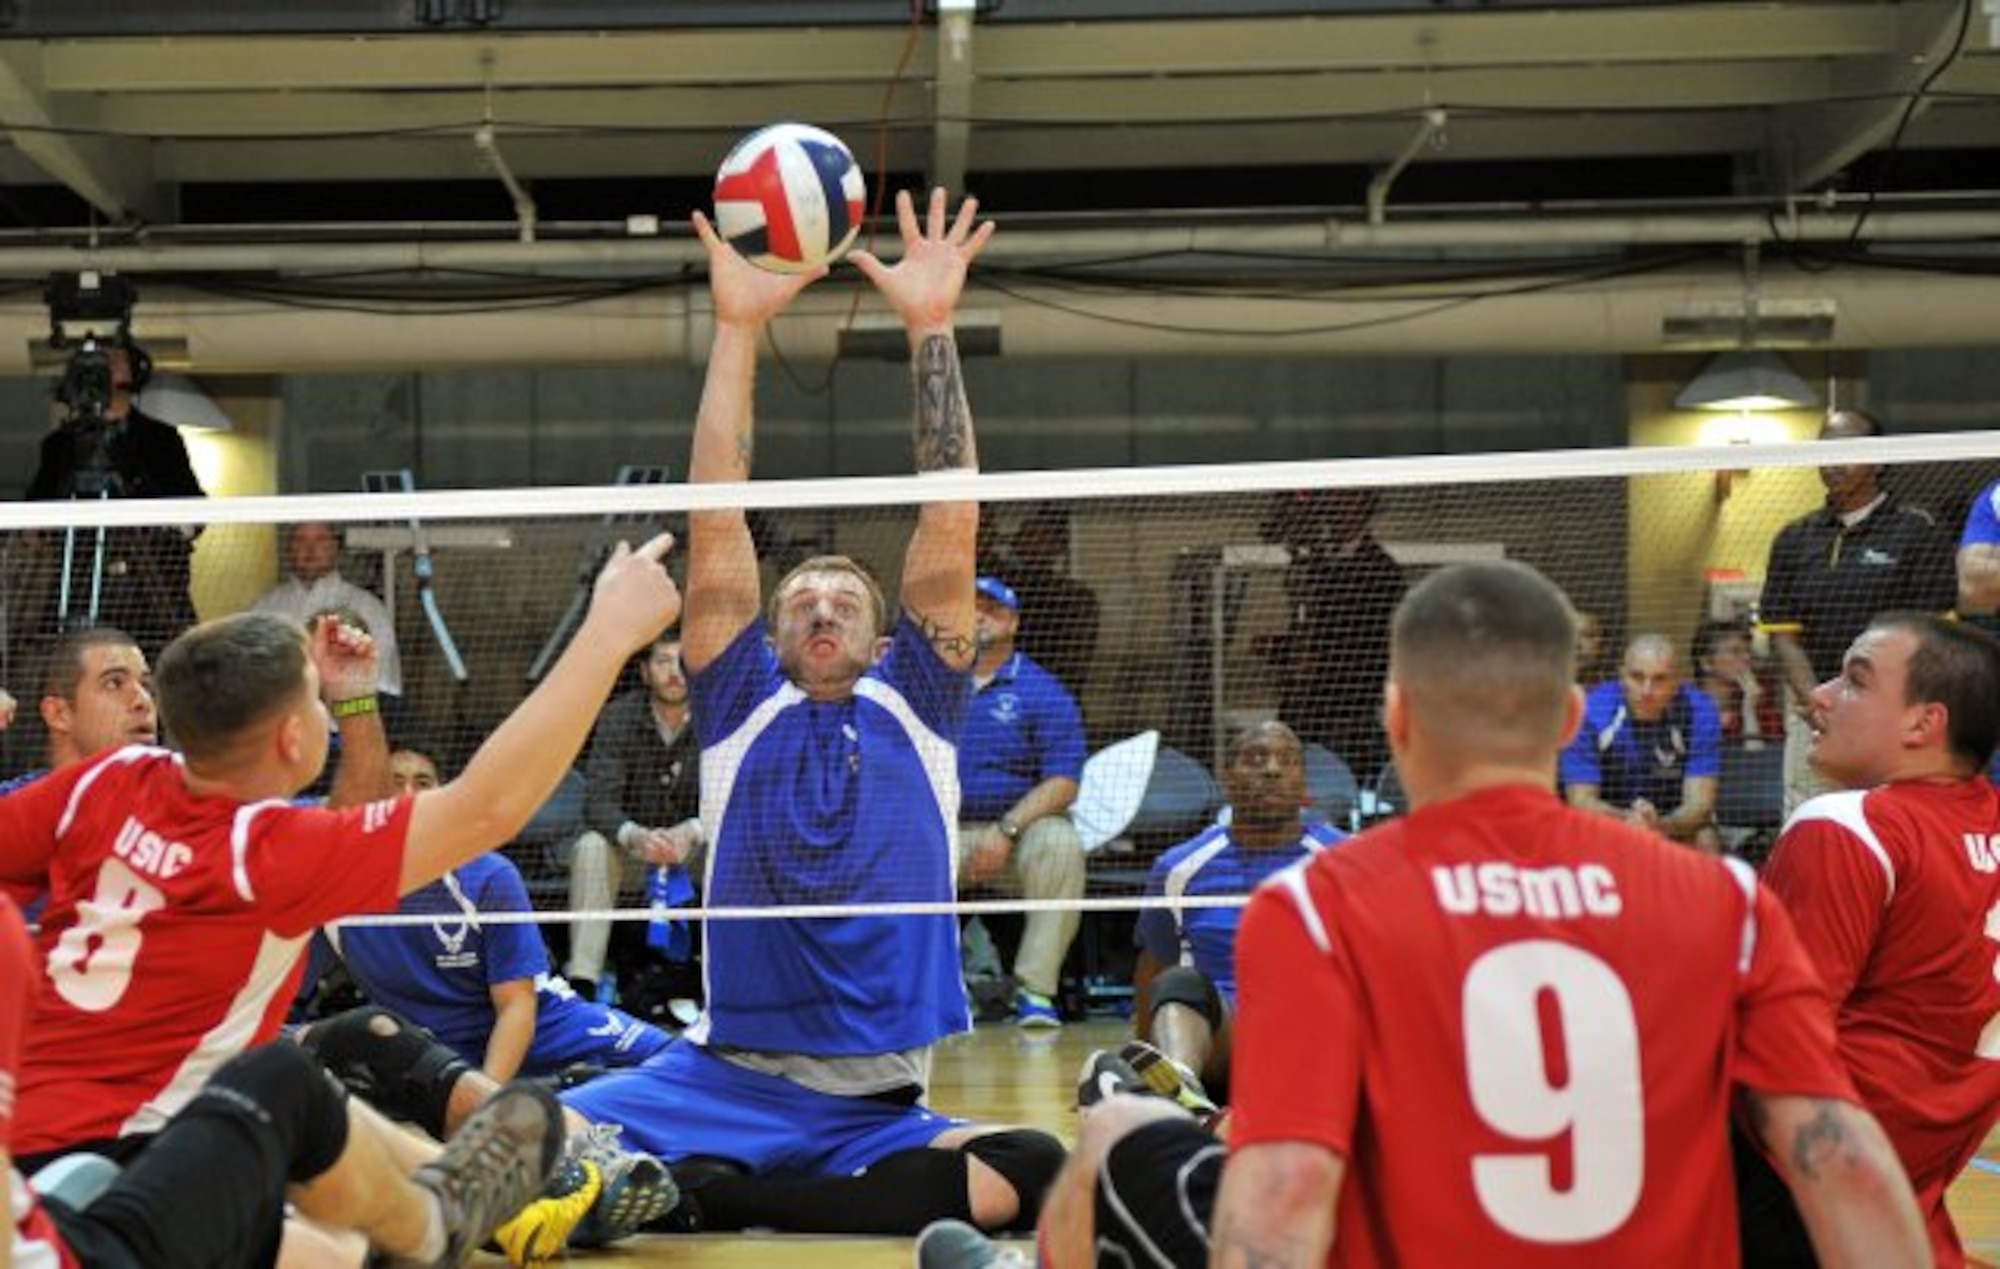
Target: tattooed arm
(1276,1206)
(723,590)
(924,288)
(1845,1178)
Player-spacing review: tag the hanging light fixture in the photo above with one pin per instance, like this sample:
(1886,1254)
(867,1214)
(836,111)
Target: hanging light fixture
(1746,379)
(177,400)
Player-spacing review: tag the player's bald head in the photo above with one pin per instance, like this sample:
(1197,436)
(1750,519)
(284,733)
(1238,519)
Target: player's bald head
(1484,654)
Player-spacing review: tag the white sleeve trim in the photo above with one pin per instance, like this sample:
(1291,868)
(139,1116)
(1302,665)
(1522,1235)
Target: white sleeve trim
(1848,810)
(1291,883)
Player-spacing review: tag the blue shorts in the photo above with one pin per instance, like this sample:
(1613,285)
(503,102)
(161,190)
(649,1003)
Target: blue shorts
(584,1031)
(686,1102)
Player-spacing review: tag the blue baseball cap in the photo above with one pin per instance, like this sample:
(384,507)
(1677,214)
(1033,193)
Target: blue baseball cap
(999,592)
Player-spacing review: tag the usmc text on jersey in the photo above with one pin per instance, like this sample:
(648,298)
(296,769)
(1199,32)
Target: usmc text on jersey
(148,852)
(1505,890)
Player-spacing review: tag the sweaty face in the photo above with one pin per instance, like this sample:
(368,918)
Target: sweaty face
(313,550)
(1861,717)
(412,772)
(1266,776)
(663,676)
(825,633)
(1650,680)
(112,704)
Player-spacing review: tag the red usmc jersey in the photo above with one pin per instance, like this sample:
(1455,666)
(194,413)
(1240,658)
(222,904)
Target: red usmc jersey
(34,1236)
(1896,895)
(174,931)
(1520,1025)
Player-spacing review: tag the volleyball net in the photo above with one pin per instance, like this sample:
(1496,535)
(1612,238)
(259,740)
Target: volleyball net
(1176,605)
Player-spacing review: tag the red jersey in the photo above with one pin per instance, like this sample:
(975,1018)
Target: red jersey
(174,931)
(1896,895)
(36,1242)
(1520,1024)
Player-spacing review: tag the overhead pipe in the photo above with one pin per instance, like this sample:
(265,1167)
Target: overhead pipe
(1872,309)
(1022,243)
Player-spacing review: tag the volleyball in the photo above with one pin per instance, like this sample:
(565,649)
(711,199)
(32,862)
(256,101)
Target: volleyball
(789,198)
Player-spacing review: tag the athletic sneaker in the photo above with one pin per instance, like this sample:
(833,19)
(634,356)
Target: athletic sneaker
(1105,1073)
(951,1244)
(1033,1011)
(493,1167)
(637,1188)
(1169,1078)
(540,1233)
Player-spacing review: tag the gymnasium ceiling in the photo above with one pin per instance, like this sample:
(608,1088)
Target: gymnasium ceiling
(160,126)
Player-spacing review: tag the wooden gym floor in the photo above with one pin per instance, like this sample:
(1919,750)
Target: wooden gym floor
(1000,1074)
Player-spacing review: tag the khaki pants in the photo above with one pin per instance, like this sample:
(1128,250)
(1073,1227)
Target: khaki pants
(598,873)
(1047,863)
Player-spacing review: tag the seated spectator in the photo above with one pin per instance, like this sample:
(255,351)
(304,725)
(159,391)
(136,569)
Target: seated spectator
(484,990)
(1748,708)
(312,553)
(1650,749)
(641,804)
(1059,632)
(1184,989)
(1591,666)
(1019,761)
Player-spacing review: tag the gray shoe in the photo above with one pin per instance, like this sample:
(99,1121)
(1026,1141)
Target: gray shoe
(638,1188)
(495,1166)
(951,1244)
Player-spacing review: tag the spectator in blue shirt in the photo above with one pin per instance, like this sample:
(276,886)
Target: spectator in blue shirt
(1019,761)
(1650,748)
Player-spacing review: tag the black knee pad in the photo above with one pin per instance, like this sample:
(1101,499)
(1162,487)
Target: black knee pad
(1029,1160)
(1185,985)
(391,1063)
(282,1090)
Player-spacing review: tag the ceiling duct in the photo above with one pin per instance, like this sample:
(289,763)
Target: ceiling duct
(1712,325)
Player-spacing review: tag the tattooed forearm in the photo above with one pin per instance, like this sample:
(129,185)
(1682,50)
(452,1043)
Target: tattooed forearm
(1238,1243)
(954,646)
(1821,1139)
(944,419)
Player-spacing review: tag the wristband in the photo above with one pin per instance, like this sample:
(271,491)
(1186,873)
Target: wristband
(353,707)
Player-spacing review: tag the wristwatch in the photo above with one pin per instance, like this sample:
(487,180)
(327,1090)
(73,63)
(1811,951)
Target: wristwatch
(1009,830)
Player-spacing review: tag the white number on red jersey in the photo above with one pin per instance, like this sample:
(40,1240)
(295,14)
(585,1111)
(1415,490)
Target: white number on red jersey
(1552,1058)
(92,963)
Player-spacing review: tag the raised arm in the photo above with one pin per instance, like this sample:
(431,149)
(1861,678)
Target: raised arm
(924,289)
(521,763)
(348,663)
(723,589)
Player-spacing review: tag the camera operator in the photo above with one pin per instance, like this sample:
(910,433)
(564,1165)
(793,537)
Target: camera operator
(105,447)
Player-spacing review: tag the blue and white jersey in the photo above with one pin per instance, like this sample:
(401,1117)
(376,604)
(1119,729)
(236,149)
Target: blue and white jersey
(830,802)
(1213,864)
(441,974)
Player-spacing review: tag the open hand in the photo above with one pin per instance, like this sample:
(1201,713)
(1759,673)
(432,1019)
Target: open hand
(744,294)
(923,287)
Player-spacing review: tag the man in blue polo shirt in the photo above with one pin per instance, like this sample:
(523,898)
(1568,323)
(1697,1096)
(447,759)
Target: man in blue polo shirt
(1184,988)
(829,727)
(1650,748)
(1018,766)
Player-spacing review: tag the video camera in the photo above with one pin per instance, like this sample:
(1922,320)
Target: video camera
(92,301)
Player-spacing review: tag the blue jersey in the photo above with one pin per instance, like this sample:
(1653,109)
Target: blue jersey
(1982,523)
(1628,760)
(830,802)
(1023,728)
(440,975)
(20,781)
(1213,864)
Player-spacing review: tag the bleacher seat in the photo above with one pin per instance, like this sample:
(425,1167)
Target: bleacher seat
(1750,794)
(1331,790)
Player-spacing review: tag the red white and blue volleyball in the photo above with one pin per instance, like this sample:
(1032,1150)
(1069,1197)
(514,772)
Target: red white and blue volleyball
(789,198)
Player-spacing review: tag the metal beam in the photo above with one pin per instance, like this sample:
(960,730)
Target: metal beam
(1809,144)
(112,175)
(951,95)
